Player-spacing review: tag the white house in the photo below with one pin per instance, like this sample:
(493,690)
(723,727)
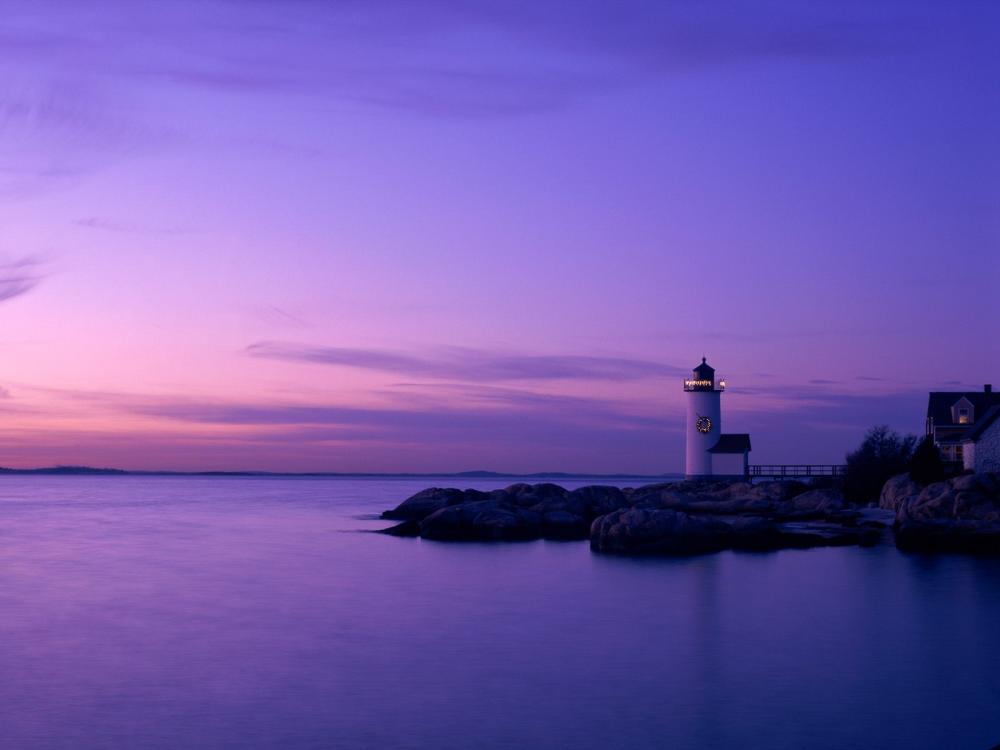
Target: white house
(953,416)
(981,447)
(707,452)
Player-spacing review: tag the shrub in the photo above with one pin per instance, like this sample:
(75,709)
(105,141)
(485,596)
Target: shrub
(925,464)
(882,454)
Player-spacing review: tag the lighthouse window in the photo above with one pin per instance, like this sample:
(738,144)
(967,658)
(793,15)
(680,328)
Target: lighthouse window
(963,416)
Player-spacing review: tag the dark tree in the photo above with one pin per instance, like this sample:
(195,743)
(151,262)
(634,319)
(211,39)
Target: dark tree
(926,465)
(882,454)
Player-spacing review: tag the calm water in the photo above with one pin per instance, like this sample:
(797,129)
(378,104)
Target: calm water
(251,613)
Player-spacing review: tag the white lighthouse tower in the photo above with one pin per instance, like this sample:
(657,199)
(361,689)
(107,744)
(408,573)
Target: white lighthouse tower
(707,452)
(704,420)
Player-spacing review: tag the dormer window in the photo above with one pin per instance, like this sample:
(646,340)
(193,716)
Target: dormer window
(962,412)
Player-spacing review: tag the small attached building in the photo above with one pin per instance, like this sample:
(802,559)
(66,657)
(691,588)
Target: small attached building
(731,456)
(981,447)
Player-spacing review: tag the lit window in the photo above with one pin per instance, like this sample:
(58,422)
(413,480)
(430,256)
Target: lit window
(963,416)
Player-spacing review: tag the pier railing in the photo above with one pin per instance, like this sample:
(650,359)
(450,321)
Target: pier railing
(782,471)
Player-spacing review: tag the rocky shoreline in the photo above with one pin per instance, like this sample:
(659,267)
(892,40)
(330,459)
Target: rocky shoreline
(684,518)
(961,514)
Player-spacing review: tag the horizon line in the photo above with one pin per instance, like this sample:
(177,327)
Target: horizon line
(481,473)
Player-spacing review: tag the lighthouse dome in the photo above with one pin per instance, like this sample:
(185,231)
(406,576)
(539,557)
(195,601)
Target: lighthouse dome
(703,371)
(702,378)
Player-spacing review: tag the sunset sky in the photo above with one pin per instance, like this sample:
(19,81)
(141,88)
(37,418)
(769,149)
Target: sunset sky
(387,235)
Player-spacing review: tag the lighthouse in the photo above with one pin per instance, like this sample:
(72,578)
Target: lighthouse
(708,453)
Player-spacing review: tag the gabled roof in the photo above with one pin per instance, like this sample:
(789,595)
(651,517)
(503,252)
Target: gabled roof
(939,404)
(735,443)
(983,424)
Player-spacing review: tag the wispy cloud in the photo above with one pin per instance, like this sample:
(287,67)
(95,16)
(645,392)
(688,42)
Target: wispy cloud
(86,87)
(470,425)
(466,364)
(412,56)
(110,225)
(18,277)
(57,127)
(416,56)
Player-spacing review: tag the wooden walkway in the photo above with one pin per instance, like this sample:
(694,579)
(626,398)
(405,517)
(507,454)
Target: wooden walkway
(795,471)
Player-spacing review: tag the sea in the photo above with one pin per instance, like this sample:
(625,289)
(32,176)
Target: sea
(184,612)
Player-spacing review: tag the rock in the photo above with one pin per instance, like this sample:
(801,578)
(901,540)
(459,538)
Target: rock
(898,490)
(520,511)
(971,497)
(774,492)
(596,500)
(669,518)
(741,491)
(499,523)
(656,532)
(779,500)
(527,495)
(424,503)
(650,531)
(447,524)
(561,524)
(769,502)
(406,528)
(649,494)
(733,507)
(959,514)
(935,501)
(473,496)
(803,535)
(483,520)
(816,503)
(664,499)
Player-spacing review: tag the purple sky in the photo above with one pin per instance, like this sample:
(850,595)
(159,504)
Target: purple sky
(388,235)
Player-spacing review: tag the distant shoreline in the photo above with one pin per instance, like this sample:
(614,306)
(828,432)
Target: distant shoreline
(91,471)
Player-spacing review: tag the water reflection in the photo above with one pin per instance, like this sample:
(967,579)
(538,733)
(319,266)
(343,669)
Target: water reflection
(165,613)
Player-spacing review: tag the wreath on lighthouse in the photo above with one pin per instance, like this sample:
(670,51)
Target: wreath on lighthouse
(703,424)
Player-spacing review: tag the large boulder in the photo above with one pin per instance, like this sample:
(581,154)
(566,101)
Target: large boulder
(652,531)
(806,534)
(568,516)
(663,499)
(898,490)
(774,492)
(640,531)
(424,503)
(648,495)
(959,514)
(520,511)
(818,503)
(528,495)
(483,520)
(562,524)
(776,500)
(970,497)
(596,500)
